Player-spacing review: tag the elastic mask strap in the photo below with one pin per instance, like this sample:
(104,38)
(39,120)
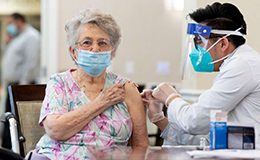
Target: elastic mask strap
(219,59)
(221,32)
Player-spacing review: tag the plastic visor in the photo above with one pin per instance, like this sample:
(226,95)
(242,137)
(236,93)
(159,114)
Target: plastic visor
(197,35)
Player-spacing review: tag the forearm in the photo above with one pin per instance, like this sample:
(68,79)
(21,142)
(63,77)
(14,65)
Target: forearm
(162,124)
(62,127)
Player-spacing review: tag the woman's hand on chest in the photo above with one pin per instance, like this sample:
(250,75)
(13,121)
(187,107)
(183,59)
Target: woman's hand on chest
(111,96)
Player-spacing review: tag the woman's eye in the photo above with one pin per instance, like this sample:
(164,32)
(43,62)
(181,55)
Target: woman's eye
(102,43)
(86,43)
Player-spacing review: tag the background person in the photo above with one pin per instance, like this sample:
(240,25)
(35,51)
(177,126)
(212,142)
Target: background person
(235,90)
(88,106)
(21,61)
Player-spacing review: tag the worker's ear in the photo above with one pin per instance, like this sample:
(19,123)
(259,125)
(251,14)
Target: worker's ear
(224,43)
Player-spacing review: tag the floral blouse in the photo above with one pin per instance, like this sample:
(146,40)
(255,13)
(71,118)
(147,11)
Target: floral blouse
(112,127)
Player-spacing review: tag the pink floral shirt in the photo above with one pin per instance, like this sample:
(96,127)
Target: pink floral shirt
(112,127)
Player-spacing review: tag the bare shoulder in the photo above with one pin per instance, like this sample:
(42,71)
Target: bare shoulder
(131,91)
(130,86)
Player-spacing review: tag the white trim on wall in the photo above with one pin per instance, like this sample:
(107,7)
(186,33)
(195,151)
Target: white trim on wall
(191,95)
(150,85)
(49,47)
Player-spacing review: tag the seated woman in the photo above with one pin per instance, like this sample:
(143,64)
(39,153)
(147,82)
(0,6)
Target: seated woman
(88,106)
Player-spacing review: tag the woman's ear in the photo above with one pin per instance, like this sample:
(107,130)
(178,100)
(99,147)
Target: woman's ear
(224,44)
(113,53)
(73,53)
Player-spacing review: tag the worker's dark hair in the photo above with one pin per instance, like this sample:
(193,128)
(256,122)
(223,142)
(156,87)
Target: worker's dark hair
(224,16)
(18,16)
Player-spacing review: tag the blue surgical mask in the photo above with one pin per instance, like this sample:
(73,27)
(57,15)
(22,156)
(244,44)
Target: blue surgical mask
(11,29)
(94,63)
(201,60)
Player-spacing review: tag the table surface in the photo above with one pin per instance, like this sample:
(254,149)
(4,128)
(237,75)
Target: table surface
(141,153)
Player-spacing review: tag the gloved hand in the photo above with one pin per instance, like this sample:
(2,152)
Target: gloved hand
(164,92)
(154,107)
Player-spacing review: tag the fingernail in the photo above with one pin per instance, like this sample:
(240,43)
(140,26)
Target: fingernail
(144,100)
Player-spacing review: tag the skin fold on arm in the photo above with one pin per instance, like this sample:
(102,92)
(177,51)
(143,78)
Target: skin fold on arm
(137,112)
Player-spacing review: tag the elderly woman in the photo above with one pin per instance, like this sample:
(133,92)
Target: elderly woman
(88,106)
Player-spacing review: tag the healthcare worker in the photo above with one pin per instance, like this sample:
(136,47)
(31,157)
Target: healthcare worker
(214,43)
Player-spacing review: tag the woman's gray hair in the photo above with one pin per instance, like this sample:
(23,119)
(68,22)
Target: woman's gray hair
(93,16)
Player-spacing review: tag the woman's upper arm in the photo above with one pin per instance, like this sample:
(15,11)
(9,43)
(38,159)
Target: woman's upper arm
(137,113)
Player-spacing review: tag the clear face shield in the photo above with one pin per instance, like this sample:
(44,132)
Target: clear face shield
(195,46)
(196,57)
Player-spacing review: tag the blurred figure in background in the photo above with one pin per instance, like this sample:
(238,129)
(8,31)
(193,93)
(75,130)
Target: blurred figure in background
(21,61)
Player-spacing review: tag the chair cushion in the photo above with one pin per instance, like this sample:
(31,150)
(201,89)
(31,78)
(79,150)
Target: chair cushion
(29,113)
